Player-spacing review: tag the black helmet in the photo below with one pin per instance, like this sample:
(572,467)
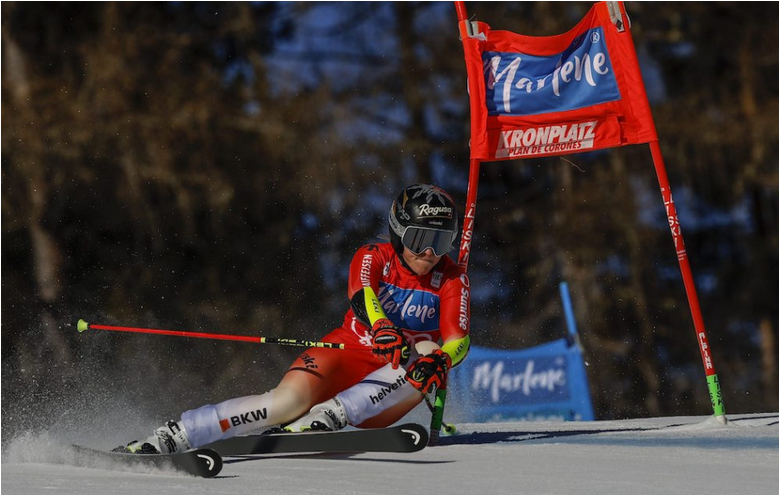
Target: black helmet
(423,216)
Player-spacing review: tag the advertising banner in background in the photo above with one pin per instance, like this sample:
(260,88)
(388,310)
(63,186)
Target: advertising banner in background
(547,382)
(554,95)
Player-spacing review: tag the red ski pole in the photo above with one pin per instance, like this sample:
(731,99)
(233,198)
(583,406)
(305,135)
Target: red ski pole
(82,326)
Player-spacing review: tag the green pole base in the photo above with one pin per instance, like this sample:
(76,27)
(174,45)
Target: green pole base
(716,396)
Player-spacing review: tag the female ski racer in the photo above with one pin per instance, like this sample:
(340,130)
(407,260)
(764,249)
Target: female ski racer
(406,296)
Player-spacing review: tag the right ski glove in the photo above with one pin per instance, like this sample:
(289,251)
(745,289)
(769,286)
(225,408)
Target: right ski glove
(429,371)
(389,342)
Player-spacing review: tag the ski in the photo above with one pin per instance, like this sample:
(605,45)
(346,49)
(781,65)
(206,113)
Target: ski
(401,439)
(199,462)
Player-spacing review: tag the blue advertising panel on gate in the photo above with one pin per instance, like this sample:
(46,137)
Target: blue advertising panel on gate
(544,382)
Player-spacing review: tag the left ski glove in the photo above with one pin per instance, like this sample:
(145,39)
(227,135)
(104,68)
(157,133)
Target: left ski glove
(429,371)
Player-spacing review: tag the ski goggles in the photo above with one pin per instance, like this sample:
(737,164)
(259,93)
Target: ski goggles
(418,239)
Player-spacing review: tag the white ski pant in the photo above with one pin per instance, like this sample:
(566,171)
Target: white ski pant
(382,389)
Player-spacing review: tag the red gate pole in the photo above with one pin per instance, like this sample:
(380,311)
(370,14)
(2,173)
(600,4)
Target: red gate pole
(464,245)
(690,288)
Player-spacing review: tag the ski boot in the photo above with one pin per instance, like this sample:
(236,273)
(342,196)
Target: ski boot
(170,438)
(327,416)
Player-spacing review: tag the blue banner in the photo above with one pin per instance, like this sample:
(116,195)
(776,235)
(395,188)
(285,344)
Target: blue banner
(522,84)
(545,382)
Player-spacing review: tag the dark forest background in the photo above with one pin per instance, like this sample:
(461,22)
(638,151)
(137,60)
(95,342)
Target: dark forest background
(213,167)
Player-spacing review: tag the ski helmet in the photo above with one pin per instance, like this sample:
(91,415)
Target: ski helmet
(423,216)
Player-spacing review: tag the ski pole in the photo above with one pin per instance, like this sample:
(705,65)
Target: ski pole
(82,326)
(448,429)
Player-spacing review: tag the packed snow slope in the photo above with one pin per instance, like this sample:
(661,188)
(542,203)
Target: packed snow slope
(672,455)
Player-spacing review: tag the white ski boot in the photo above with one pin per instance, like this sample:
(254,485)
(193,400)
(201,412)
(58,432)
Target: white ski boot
(327,416)
(170,438)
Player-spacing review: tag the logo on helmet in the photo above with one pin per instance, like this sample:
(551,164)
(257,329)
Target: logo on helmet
(429,190)
(428,211)
(402,213)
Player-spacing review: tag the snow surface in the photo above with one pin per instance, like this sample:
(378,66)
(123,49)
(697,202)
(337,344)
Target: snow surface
(670,455)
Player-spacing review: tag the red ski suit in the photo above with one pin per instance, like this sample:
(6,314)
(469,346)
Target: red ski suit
(433,307)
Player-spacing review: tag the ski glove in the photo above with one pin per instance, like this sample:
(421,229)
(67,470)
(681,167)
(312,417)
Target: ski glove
(429,371)
(389,343)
